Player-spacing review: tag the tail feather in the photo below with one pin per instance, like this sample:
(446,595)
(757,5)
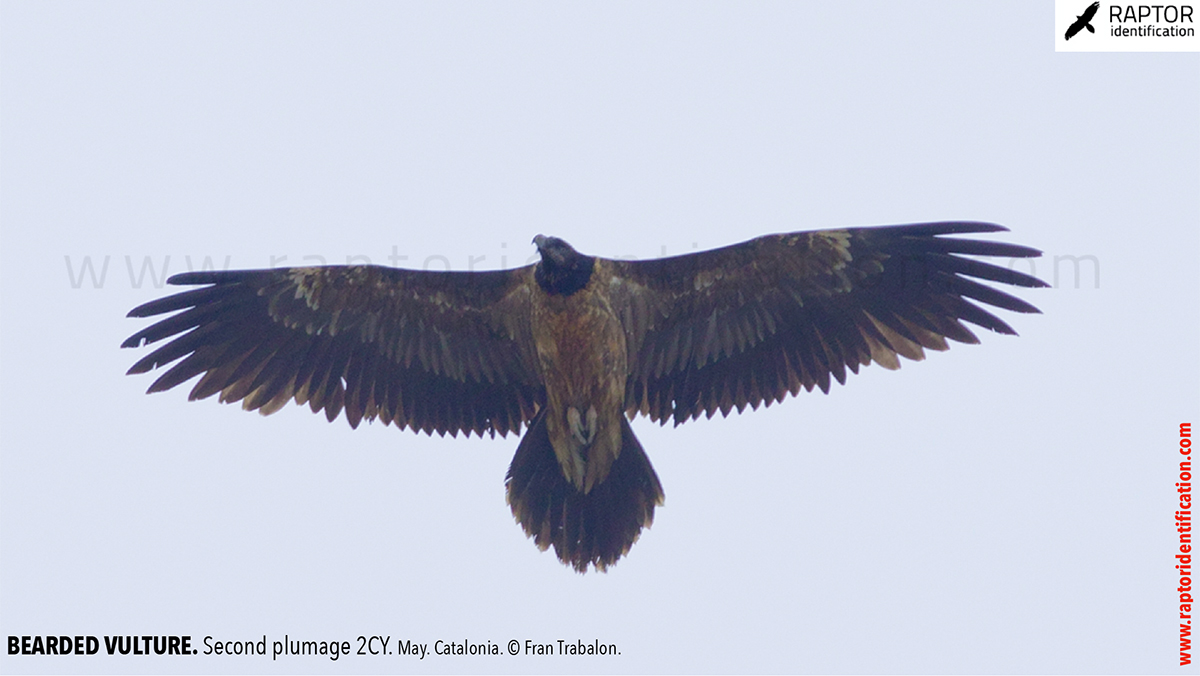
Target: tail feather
(597,527)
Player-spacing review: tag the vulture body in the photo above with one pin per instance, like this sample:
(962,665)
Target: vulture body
(574,346)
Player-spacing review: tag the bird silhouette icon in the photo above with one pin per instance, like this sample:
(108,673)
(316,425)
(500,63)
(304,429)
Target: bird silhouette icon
(1084,21)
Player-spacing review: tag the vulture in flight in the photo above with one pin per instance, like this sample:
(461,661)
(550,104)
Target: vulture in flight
(574,346)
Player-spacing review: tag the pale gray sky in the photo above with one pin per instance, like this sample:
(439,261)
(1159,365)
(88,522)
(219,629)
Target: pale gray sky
(997,508)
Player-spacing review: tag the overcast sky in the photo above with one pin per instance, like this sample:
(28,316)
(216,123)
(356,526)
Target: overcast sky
(1006,507)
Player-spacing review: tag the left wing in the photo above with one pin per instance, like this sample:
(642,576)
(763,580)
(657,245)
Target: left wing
(753,322)
(434,351)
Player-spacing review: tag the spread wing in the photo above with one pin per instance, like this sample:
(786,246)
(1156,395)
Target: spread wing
(753,322)
(434,351)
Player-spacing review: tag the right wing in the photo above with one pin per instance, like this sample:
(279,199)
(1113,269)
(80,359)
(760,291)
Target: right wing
(753,322)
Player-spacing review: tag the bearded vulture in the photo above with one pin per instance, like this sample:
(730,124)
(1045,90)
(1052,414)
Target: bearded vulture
(574,346)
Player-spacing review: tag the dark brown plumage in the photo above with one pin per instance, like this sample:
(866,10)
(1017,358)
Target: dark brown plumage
(574,344)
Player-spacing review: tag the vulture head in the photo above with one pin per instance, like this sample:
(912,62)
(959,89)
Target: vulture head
(562,270)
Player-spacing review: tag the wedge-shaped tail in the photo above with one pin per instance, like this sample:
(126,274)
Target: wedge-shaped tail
(597,527)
